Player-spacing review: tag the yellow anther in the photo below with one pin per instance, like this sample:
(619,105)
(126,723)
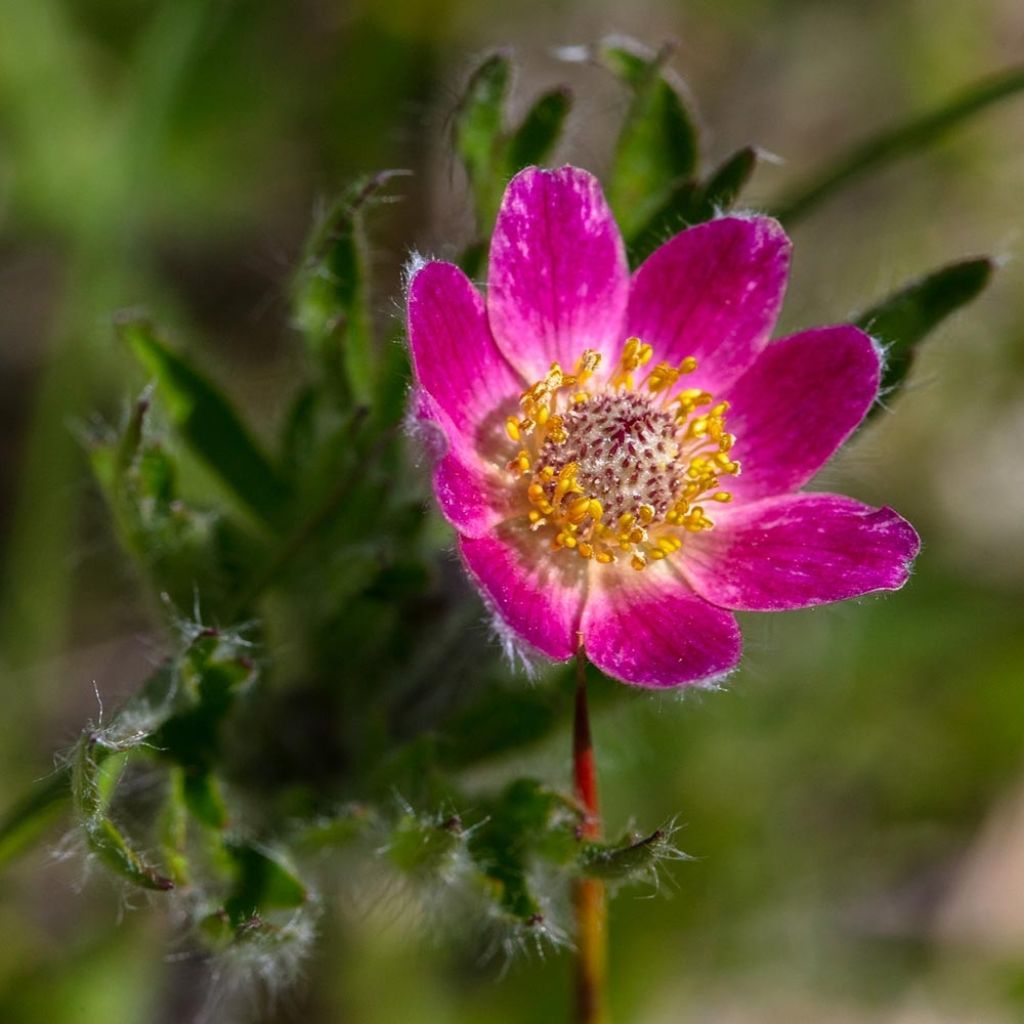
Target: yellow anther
(579,510)
(587,364)
(683,468)
(662,377)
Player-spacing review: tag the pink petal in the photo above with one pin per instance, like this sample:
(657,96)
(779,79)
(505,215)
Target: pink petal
(472,495)
(650,629)
(712,292)
(797,404)
(535,592)
(798,550)
(558,281)
(457,363)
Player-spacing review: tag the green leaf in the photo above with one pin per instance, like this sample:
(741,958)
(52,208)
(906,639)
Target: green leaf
(538,133)
(526,820)
(209,425)
(724,185)
(903,320)
(478,131)
(635,859)
(211,672)
(330,296)
(91,794)
(425,846)
(694,202)
(22,825)
(894,143)
(263,881)
(657,148)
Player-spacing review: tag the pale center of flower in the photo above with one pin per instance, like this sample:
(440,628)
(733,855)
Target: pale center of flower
(625,450)
(615,469)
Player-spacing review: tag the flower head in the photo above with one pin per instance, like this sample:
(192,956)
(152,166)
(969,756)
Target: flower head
(623,454)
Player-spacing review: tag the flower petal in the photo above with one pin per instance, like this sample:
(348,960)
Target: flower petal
(456,361)
(535,592)
(797,404)
(650,629)
(712,292)
(798,550)
(472,495)
(558,281)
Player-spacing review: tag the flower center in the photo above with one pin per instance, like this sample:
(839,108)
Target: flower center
(617,470)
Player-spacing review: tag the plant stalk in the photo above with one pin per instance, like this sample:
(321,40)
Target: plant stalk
(589,897)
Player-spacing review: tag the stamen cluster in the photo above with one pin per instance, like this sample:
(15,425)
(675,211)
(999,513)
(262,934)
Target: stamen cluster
(618,470)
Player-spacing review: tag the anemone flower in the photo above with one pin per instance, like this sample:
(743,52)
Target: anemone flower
(622,455)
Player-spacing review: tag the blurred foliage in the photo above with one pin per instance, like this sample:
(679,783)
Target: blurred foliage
(326,723)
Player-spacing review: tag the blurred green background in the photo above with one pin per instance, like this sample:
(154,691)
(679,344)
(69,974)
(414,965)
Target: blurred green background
(853,802)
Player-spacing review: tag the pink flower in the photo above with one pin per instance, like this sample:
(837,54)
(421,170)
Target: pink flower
(596,423)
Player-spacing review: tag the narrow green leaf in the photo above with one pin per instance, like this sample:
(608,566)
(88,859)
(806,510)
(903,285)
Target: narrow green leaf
(478,129)
(724,185)
(209,425)
(26,821)
(633,860)
(657,147)
(91,794)
(893,143)
(902,321)
(694,202)
(113,850)
(535,138)
(331,295)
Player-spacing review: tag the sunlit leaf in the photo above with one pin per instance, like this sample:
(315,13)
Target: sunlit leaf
(657,148)
(478,128)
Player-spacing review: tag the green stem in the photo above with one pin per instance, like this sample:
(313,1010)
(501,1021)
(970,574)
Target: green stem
(894,143)
(589,899)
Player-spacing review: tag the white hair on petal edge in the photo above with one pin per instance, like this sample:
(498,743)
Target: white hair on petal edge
(518,653)
(413,265)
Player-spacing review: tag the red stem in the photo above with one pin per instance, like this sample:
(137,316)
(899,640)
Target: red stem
(589,893)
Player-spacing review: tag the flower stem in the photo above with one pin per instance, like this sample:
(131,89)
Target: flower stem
(588,894)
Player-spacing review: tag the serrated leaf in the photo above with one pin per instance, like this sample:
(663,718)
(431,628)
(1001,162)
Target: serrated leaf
(539,131)
(208,423)
(478,130)
(657,147)
(903,320)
